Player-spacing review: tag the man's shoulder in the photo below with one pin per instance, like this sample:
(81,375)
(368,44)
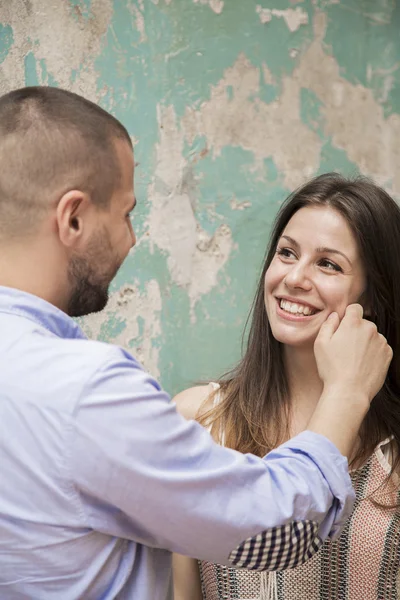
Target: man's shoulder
(95,351)
(78,370)
(89,357)
(92,375)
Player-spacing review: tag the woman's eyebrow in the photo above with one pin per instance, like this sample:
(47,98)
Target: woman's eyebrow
(325,250)
(320,250)
(290,240)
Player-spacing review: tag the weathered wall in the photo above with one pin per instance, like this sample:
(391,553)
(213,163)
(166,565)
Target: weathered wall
(232,104)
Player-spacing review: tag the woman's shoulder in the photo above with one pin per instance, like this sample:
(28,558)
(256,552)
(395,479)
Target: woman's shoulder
(194,401)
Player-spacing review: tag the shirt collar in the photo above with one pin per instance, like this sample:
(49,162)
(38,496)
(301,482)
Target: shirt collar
(36,309)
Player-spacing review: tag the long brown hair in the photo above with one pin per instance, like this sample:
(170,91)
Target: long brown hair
(254,409)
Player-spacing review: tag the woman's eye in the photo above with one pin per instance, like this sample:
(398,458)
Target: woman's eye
(285,252)
(331,266)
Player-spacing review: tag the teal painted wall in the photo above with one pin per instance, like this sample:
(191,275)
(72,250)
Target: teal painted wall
(231,104)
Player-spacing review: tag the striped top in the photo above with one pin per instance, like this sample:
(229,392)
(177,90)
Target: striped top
(362,564)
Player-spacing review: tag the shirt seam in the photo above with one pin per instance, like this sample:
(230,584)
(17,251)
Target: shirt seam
(28,317)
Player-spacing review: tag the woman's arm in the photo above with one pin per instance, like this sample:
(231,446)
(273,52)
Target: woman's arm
(186,574)
(187,585)
(189,401)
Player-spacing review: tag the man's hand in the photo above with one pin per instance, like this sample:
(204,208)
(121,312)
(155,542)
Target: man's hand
(352,360)
(352,354)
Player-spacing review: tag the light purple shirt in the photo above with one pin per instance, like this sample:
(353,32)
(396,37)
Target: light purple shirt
(101,478)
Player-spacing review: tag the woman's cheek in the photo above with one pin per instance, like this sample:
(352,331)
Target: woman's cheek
(339,306)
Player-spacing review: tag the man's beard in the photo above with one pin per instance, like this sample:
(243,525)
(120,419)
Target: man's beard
(90,288)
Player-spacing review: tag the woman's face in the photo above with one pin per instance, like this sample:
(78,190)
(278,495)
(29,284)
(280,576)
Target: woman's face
(316,270)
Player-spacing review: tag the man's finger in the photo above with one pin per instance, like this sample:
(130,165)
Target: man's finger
(355,310)
(328,328)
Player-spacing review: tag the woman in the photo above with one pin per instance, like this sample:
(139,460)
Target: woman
(335,242)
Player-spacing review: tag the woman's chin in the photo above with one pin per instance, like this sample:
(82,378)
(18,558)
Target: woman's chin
(295,340)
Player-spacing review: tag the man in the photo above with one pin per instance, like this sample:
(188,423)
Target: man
(100,477)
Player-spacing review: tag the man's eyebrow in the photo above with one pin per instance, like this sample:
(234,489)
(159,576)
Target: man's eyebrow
(320,250)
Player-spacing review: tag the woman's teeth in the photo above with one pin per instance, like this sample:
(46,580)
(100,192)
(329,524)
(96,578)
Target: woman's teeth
(296,309)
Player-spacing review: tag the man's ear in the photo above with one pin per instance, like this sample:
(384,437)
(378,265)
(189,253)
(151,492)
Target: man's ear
(73,218)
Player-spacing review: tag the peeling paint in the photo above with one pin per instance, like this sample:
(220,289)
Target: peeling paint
(70,43)
(265,14)
(129,305)
(268,77)
(235,205)
(194,257)
(293,17)
(352,116)
(387,76)
(215,5)
(137,13)
(232,105)
(267,130)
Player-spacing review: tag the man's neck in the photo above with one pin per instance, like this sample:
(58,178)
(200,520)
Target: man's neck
(27,269)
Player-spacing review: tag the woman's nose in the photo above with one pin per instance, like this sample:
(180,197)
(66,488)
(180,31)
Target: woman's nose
(298,277)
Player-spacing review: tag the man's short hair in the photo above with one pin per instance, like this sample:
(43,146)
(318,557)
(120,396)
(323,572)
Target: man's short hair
(53,141)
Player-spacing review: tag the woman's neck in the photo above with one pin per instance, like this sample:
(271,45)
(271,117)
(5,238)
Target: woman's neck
(305,386)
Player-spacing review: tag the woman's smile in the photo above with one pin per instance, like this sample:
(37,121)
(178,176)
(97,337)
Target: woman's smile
(316,270)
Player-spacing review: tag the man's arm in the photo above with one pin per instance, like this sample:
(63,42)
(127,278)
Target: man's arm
(352,361)
(145,473)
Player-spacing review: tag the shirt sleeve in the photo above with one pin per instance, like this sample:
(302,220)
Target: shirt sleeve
(144,473)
